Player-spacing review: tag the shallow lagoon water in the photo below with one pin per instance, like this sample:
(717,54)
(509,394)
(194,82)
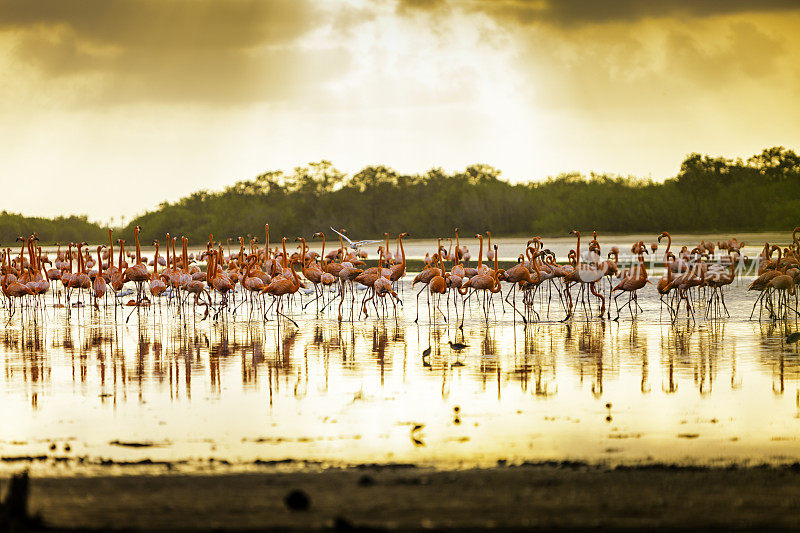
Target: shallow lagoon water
(83,391)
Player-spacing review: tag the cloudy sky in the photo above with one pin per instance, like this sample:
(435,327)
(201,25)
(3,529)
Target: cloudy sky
(109,107)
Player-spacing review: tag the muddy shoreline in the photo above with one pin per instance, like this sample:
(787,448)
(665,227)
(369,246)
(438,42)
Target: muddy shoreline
(549,495)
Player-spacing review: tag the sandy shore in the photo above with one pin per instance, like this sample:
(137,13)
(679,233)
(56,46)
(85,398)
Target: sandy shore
(546,495)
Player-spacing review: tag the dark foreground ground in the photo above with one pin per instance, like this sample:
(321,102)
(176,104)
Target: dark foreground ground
(545,496)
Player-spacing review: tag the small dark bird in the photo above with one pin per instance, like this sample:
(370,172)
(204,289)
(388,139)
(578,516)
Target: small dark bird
(425,357)
(457,346)
(416,438)
(793,337)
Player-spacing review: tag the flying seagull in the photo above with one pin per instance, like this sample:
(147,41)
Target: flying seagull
(354,245)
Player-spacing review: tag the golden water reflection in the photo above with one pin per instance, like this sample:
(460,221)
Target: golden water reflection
(91,390)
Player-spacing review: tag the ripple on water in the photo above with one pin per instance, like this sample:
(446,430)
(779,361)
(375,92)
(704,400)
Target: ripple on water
(82,390)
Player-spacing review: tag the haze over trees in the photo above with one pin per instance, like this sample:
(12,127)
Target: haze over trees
(709,194)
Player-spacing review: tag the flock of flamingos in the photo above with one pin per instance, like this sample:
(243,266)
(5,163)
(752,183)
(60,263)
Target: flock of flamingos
(537,282)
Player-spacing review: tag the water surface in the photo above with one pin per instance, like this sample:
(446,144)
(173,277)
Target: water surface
(84,391)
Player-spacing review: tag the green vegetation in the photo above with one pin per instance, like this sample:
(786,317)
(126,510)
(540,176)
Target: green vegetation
(708,195)
(50,230)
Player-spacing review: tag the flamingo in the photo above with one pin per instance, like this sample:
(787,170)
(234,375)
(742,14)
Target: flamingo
(310,271)
(632,283)
(99,283)
(586,275)
(188,283)
(80,280)
(12,288)
(481,268)
(220,280)
(425,278)
(717,279)
(327,279)
(252,284)
(664,286)
(137,273)
(399,270)
(382,285)
(282,286)
(42,283)
(482,282)
(437,286)
(518,274)
(157,286)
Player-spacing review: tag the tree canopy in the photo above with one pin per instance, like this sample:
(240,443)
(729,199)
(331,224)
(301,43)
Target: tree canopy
(708,194)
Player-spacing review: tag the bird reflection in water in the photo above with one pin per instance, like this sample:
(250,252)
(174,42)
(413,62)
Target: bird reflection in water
(586,341)
(539,361)
(143,366)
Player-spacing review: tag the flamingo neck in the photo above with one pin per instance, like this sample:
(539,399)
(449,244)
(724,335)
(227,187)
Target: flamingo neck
(303,241)
(111,250)
(185,255)
(266,245)
(296,283)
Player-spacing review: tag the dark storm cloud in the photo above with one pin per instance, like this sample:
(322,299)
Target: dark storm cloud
(748,53)
(195,50)
(159,23)
(405,6)
(620,77)
(564,12)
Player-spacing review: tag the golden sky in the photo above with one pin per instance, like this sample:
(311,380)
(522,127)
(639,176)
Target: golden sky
(116,105)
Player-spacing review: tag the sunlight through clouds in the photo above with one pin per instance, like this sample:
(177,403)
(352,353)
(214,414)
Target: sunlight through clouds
(189,95)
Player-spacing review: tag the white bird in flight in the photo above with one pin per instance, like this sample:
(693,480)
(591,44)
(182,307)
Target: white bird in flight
(354,245)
